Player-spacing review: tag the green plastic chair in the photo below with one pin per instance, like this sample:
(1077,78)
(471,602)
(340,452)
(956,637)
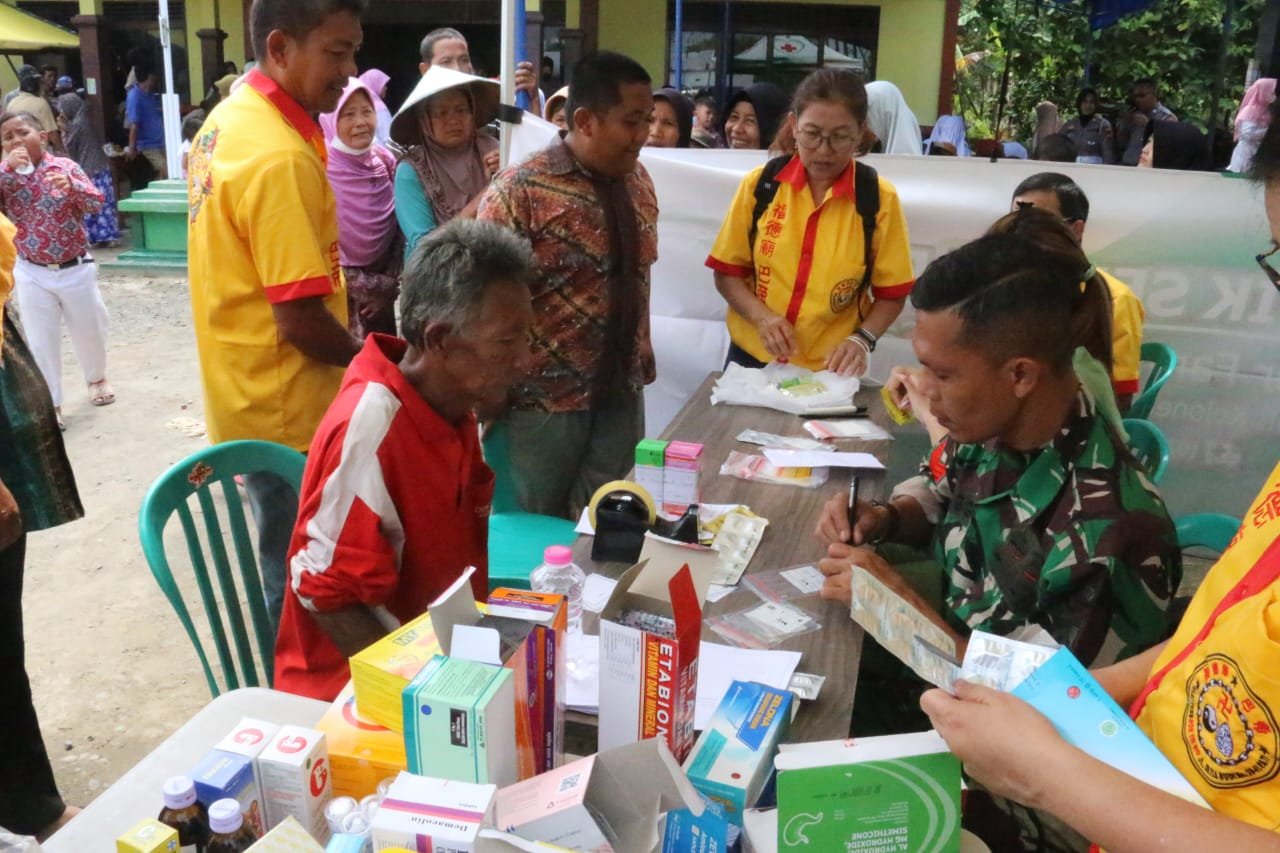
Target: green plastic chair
(171,494)
(1163,362)
(1212,531)
(516,538)
(1149,447)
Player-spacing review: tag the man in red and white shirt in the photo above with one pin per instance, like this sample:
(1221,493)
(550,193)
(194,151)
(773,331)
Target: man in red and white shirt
(395,499)
(47,198)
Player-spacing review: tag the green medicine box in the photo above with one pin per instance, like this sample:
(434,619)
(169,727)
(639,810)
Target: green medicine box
(459,722)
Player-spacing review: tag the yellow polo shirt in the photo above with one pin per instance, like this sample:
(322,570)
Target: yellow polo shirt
(8,257)
(1212,705)
(1127,316)
(263,230)
(807,261)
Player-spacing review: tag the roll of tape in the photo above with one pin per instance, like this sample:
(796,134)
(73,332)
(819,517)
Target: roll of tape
(616,487)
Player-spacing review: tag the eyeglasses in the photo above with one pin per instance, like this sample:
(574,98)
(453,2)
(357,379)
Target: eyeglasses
(811,140)
(1272,274)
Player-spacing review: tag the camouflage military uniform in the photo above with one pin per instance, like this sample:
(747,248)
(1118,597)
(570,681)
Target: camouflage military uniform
(1072,536)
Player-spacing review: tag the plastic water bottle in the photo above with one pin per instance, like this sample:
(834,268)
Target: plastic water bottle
(560,575)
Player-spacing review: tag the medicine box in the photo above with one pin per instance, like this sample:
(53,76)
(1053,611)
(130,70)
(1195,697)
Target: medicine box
(226,775)
(539,669)
(649,679)
(734,754)
(361,752)
(148,836)
(287,837)
(681,465)
(460,722)
(651,466)
(248,739)
(609,801)
(295,778)
(427,813)
(381,671)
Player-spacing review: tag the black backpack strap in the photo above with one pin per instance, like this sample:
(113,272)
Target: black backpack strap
(766,189)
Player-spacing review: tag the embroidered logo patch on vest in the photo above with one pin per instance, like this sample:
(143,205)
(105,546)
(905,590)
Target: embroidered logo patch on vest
(1230,734)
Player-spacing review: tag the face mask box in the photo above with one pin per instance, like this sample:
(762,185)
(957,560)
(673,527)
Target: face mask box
(733,757)
(361,752)
(681,465)
(380,672)
(460,722)
(426,813)
(226,775)
(295,778)
(521,631)
(149,836)
(611,801)
(651,467)
(648,678)
(248,739)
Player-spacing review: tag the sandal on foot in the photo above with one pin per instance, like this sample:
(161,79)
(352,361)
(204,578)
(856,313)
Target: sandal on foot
(101,393)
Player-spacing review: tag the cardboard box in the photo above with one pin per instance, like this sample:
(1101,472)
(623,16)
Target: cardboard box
(148,836)
(898,792)
(361,752)
(651,467)
(295,779)
(289,836)
(424,813)
(681,466)
(647,680)
(221,775)
(541,677)
(609,801)
(687,832)
(734,754)
(460,722)
(521,631)
(248,739)
(381,672)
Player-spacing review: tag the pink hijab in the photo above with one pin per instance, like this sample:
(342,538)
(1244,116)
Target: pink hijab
(1256,106)
(363,183)
(376,80)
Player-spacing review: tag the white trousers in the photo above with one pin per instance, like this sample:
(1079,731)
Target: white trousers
(46,297)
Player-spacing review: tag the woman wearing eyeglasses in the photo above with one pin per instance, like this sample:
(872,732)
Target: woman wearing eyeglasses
(792,263)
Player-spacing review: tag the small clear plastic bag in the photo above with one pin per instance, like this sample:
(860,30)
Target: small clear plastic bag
(754,467)
(786,584)
(763,625)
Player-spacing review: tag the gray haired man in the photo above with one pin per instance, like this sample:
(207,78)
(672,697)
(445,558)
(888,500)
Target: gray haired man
(395,499)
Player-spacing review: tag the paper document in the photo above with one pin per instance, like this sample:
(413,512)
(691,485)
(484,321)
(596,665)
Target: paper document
(817,459)
(718,666)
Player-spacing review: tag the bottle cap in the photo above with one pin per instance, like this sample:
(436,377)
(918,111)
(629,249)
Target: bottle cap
(179,792)
(557,555)
(224,816)
(338,808)
(357,823)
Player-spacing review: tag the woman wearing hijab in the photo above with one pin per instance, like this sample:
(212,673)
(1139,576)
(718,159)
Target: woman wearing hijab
(361,173)
(1089,132)
(84,145)
(672,122)
(1175,145)
(1047,124)
(1252,122)
(948,138)
(754,115)
(447,163)
(890,121)
(376,80)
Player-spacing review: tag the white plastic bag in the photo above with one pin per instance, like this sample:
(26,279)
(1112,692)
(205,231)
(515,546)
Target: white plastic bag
(784,387)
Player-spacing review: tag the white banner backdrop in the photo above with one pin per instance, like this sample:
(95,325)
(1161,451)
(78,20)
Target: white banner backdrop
(1184,242)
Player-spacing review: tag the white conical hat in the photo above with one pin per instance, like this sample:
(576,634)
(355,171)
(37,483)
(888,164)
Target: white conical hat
(485,96)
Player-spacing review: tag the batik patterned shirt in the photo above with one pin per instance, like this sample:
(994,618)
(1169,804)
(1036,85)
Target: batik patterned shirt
(50,220)
(1072,536)
(549,199)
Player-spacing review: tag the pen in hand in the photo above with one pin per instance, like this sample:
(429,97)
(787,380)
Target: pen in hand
(853,506)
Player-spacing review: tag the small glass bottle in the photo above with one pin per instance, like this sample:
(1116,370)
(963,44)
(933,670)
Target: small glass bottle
(230,832)
(182,812)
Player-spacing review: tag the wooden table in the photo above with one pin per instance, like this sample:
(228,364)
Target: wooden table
(788,541)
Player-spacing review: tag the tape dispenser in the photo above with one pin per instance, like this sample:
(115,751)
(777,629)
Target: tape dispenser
(622,512)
